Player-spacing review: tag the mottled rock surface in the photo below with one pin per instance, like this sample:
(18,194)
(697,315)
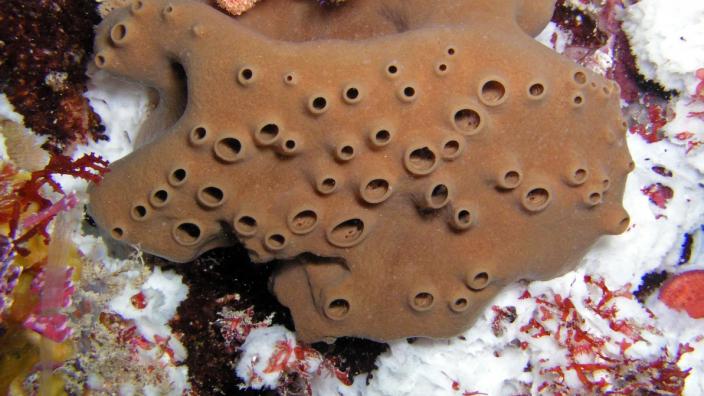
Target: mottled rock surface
(402,178)
(44,48)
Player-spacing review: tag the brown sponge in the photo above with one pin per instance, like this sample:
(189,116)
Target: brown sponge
(304,20)
(401,178)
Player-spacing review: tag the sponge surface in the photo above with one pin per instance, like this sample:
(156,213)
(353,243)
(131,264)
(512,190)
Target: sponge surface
(402,177)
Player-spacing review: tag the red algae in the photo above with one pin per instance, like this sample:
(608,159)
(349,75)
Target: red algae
(24,198)
(598,367)
(127,335)
(36,280)
(698,95)
(659,194)
(501,317)
(37,270)
(294,361)
(656,117)
(235,326)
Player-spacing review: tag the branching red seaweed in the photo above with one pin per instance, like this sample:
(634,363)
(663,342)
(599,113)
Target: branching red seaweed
(127,334)
(601,364)
(24,206)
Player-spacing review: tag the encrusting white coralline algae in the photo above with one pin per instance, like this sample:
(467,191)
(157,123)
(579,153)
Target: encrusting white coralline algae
(583,333)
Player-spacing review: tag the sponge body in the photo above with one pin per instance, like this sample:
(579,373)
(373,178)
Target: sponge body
(402,179)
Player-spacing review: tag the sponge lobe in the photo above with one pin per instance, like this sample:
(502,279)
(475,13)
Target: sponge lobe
(403,180)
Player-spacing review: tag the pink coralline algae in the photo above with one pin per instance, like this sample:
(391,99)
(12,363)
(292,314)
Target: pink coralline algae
(46,319)
(53,326)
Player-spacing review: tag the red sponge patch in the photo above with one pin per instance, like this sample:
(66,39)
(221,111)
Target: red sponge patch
(685,292)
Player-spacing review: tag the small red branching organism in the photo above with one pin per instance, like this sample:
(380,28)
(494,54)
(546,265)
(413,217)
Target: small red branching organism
(23,205)
(235,325)
(281,359)
(698,95)
(600,362)
(299,363)
(659,194)
(127,334)
(502,316)
(686,136)
(656,116)
(293,365)
(685,292)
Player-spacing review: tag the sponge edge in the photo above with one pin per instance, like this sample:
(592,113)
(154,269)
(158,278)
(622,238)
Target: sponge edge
(403,180)
(534,15)
(364,19)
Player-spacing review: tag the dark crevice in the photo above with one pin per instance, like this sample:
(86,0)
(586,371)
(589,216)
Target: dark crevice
(651,282)
(223,272)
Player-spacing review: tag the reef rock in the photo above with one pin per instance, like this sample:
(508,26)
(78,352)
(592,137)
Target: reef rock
(402,178)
